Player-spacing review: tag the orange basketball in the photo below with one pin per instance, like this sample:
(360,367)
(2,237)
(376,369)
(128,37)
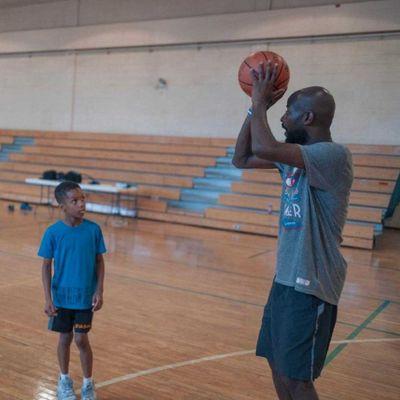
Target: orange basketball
(254,60)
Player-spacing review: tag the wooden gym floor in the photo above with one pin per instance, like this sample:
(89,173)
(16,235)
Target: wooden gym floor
(181,316)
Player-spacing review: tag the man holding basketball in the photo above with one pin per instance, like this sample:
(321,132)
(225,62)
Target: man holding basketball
(300,314)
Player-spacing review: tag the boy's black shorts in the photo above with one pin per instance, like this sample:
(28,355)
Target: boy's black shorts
(67,320)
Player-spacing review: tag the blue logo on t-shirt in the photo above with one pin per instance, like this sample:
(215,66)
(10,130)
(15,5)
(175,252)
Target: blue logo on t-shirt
(292,214)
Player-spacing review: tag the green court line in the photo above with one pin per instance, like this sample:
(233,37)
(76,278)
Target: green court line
(335,352)
(370,329)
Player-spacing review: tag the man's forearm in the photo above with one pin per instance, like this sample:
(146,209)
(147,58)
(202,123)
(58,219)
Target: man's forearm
(262,139)
(243,145)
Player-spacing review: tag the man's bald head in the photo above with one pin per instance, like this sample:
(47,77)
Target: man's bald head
(317,100)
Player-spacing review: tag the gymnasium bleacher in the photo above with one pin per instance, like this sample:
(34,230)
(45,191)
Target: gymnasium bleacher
(190,180)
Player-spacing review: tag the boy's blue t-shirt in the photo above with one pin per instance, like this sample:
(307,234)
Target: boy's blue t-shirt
(74,250)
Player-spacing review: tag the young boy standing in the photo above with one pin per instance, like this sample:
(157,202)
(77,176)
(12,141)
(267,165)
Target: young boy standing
(75,290)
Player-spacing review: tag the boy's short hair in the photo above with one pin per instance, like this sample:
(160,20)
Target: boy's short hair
(63,188)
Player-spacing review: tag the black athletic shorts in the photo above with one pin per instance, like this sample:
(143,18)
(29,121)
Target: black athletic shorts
(67,320)
(295,332)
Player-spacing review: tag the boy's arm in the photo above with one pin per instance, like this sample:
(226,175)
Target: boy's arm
(49,307)
(100,270)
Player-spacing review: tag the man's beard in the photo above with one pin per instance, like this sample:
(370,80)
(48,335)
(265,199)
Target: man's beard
(296,136)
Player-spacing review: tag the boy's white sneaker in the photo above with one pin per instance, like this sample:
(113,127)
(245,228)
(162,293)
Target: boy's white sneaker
(88,391)
(65,389)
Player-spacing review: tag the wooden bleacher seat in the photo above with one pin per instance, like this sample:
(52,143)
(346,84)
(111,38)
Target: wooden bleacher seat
(196,141)
(100,174)
(134,147)
(71,162)
(124,156)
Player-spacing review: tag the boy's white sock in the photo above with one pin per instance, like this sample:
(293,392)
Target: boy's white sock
(86,381)
(64,376)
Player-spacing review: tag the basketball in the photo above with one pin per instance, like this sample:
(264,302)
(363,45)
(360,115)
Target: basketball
(253,61)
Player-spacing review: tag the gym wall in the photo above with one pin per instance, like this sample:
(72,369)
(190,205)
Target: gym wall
(72,73)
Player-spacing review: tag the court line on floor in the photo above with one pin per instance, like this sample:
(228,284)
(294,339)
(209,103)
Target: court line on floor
(368,328)
(334,353)
(371,340)
(260,253)
(219,357)
(172,366)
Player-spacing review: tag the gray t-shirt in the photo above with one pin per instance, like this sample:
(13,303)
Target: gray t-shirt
(313,212)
